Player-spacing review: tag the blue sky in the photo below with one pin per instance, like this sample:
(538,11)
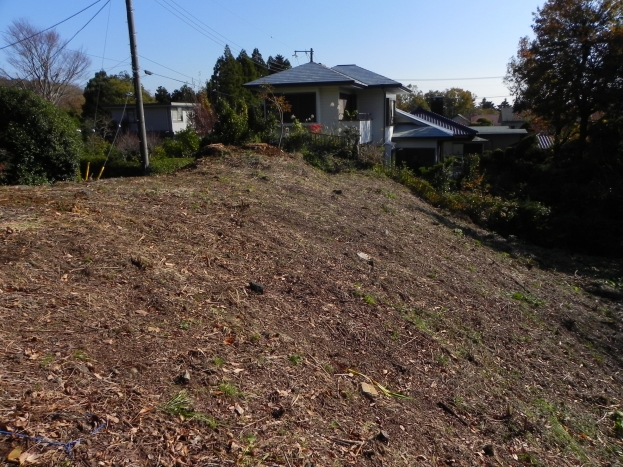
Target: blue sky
(431,44)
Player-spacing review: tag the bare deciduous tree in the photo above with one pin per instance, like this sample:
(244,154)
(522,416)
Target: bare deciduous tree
(279,103)
(202,116)
(41,63)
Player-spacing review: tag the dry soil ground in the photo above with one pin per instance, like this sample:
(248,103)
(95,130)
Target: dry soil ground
(129,322)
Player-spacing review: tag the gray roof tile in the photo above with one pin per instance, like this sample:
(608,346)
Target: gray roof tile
(308,73)
(366,76)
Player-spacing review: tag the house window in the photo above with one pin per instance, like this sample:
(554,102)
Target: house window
(176,114)
(347,106)
(303,107)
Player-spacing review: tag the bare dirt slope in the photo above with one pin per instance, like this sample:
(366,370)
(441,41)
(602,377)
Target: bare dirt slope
(129,323)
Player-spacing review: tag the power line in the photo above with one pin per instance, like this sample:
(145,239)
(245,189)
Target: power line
(51,27)
(447,79)
(248,22)
(106,35)
(163,66)
(79,30)
(211,29)
(208,35)
(149,73)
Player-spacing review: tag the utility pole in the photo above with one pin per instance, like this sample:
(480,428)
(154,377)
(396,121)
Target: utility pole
(310,51)
(138,95)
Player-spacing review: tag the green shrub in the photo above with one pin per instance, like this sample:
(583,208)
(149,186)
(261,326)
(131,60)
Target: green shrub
(39,143)
(185,143)
(440,175)
(529,219)
(169,165)
(232,126)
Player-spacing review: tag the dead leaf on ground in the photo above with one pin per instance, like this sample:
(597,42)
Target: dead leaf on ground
(28,458)
(14,455)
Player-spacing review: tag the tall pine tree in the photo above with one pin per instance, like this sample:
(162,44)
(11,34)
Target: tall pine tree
(259,63)
(226,82)
(277,64)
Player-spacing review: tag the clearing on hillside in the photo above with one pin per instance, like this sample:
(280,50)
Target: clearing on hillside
(253,310)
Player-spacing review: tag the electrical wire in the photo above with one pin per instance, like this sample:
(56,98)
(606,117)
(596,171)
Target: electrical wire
(163,66)
(208,35)
(167,77)
(195,20)
(51,27)
(249,22)
(79,30)
(117,132)
(99,85)
(448,79)
(106,35)
(211,29)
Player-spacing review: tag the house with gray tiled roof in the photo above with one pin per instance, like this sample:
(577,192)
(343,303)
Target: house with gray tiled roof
(338,97)
(424,138)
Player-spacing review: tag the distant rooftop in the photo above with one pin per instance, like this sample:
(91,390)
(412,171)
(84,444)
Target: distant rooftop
(499,130)
(448,124)
(507,115)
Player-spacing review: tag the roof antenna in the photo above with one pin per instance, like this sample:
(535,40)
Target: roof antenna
(310,51)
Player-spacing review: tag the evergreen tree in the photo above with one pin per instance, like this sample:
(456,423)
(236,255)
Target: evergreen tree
(277,64)
(162,95)
(102,90)
(255,109)
(505,104)
(184,94)
(226,81)
(485,104)
(248,68)
(226,93)
(259,63)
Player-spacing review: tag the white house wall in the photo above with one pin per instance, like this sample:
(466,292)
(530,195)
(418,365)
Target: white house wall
(368,101)
(327,100)
(179,125)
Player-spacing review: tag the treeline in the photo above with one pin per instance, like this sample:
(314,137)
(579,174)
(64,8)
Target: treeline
(567,85)
(224,111)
